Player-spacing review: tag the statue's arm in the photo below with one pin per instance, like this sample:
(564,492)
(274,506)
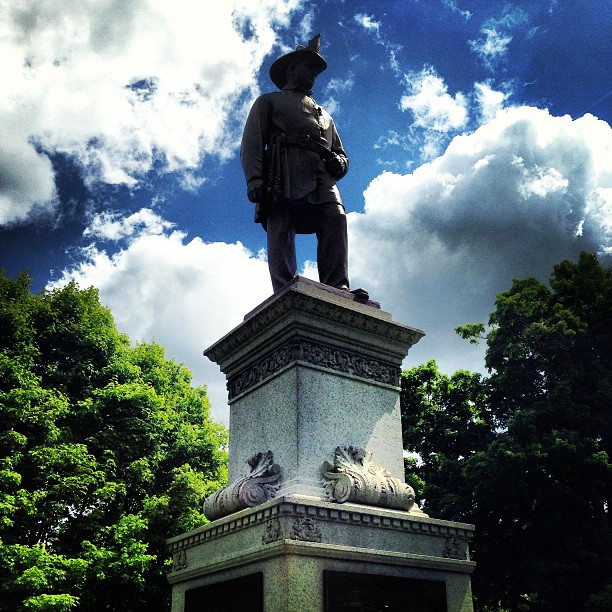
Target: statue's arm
(339,166)
(252,148)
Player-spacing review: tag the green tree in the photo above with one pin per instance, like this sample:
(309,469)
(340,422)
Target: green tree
(445,421)
(106,450)
(538,484)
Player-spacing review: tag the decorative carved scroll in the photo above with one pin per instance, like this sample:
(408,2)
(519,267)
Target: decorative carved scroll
(353,477)
(256,487)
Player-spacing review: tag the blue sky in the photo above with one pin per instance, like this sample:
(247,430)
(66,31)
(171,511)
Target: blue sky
(478,135)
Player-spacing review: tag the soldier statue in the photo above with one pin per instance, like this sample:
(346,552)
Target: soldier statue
(292,158)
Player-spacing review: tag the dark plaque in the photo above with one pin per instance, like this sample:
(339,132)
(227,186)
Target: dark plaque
(351,592)
(243,594)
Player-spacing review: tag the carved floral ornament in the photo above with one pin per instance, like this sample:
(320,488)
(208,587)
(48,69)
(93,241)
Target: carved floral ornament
(256,487)
(179,561)
(273,531)
(455,548)
(304,529)
(316,354)
(353,477)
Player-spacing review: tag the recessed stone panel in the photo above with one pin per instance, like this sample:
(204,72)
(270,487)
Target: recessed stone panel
(354,592)
(237,595)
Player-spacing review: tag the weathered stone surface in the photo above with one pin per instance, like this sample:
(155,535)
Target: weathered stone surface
(309,370)
(314,376)
(353,476)
(293,541)
(254,488)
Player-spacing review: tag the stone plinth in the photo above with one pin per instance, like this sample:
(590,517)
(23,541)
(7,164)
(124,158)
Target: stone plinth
(317,516)
(295,546)
(310,370)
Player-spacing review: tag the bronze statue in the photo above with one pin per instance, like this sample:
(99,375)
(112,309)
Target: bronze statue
(292,157)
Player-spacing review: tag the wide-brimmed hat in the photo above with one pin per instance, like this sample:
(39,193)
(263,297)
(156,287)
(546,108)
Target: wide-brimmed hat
(278,70)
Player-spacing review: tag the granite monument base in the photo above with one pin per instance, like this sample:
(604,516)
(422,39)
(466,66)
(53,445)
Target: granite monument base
(322,519)
(309,370)
(293,554)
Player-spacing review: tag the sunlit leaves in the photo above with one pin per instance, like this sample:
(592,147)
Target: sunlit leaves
(106,450)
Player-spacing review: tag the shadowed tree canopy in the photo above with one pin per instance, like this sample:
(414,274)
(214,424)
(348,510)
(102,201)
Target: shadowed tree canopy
(106,450)
(525,453)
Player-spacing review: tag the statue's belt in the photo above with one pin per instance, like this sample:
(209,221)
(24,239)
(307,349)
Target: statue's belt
(304,141)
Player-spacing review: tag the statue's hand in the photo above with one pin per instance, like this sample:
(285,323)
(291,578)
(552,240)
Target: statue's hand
(335,166)
(256,190)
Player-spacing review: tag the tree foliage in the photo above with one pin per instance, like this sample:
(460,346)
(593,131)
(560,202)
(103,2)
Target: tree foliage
(525,453)
(106,450)
(445,420)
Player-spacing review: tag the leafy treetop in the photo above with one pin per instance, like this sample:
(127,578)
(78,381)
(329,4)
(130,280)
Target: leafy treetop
(106,450)
(525,453)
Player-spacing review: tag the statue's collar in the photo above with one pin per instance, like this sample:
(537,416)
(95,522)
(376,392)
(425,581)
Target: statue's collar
(299,90)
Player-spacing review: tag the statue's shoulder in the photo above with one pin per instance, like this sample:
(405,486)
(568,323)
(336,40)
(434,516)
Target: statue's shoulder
(270,96)
(266,100)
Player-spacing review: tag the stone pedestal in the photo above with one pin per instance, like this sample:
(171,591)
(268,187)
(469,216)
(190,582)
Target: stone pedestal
(296,545)
(315,426)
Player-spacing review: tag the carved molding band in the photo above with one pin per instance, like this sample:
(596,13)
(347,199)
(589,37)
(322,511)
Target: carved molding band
(263,369)
(256,487)
(316,354)
(350,516)
(292,302)
(354,477)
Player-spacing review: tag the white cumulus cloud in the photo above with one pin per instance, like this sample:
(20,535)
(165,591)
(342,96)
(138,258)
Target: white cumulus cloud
(26,175)
(430,103)
(113,226)
(512,199)
(184,294)
(122,86)
(489,100)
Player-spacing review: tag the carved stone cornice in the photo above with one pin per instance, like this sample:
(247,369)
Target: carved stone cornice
(269,515)
(303,302)
(316,354)
(256,487)
(354,477)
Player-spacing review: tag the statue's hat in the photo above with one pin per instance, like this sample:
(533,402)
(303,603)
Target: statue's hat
(278,69)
